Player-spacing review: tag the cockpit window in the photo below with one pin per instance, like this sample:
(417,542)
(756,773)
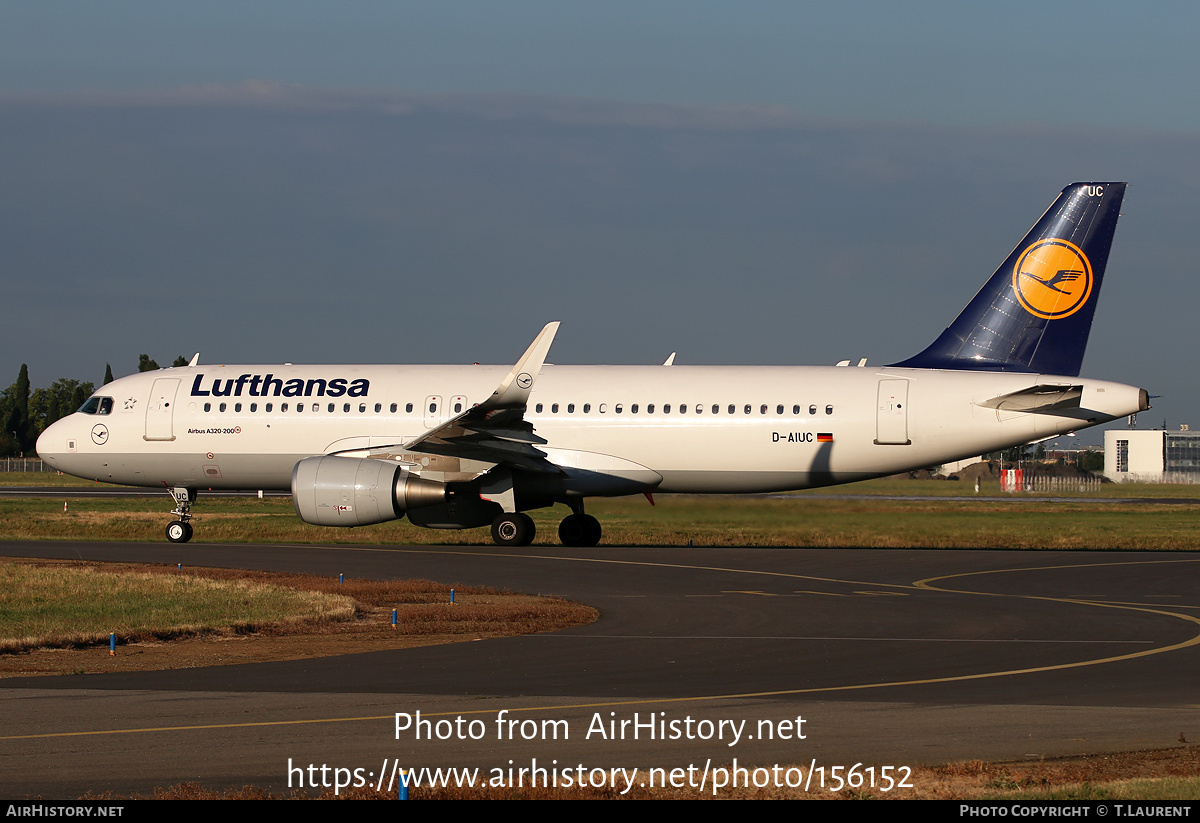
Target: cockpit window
(97,405)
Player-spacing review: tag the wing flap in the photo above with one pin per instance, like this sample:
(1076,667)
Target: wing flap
(496,431)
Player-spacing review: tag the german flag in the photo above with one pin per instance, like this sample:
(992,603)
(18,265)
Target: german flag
(824,437)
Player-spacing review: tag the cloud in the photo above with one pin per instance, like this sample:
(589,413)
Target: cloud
(261,94)
(271,222)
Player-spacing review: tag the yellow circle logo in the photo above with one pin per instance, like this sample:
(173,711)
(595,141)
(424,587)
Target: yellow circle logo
(1052,279)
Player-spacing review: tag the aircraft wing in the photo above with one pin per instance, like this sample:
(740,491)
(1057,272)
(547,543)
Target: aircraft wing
(495,431)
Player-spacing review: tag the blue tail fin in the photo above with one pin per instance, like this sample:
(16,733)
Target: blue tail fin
(1035,312)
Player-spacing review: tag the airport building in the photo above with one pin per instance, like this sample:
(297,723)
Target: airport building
(1158,456)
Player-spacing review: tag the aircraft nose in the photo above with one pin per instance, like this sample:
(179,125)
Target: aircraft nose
(51,444)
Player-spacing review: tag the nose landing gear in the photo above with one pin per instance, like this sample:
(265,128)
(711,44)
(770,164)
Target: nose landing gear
(181,530)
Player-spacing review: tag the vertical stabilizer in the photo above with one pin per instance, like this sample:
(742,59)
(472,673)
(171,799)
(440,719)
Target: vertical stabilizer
(1035,312)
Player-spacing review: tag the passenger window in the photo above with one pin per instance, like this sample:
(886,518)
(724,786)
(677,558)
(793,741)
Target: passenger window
(538,408)
(345,408)
(237,407)
(331,408)
(253,407)
(666,408)
(432,407)
(779,409)
(299,407)
(408,408)
(731,408)
(554,408)
(618,408)
(633,408)
(283,407)
(829,409)
(378,408)
(763,410)
(650,409)
(812,409)
(393,408)
(716,409)
(683,408)
(747,409)
(796,409)
(603,408)
(457,408)
(587,407)
(570,408)
(208,407)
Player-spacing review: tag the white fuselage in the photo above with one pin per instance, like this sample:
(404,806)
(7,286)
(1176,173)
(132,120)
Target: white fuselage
(708,429)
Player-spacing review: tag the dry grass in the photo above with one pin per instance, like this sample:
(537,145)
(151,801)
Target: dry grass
(801,520)
(55,605)
(361,622)
(1162,774)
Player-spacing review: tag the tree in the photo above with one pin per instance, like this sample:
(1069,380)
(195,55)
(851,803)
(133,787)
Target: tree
(1093,461)
(62,398)
(146,364)
(108,378)
(14,415)
(82,392)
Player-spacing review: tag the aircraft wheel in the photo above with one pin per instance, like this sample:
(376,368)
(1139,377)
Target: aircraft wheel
(515,529)
(571,530)
(594,532)
(179,532)
(580,530)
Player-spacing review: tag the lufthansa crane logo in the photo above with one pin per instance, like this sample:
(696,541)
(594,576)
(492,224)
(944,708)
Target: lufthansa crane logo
(1052,279)
(99,434)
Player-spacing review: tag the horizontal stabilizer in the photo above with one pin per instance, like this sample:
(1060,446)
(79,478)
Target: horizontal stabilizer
(1045,398)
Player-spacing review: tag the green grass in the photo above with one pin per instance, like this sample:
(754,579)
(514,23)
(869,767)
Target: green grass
(43,479)
(56,606)
(881,486)
(801,520)
(991,488)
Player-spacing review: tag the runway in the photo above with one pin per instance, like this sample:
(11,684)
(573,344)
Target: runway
(890,657)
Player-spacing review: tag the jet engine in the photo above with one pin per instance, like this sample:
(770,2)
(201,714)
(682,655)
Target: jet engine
(356,491)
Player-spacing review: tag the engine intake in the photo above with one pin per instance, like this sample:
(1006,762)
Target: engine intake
(358,491)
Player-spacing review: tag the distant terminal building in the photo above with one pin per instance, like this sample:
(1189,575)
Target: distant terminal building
(1158,456)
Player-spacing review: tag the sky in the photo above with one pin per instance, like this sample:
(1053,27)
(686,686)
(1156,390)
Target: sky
(743,183)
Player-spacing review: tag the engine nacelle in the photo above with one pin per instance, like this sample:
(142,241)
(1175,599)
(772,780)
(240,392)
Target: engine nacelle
(357,491)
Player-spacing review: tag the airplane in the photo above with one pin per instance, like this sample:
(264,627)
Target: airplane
(459,447)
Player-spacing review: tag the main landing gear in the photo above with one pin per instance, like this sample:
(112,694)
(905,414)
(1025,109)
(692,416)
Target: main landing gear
(517,529)
(181,530)
(513,529)
(579,529)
